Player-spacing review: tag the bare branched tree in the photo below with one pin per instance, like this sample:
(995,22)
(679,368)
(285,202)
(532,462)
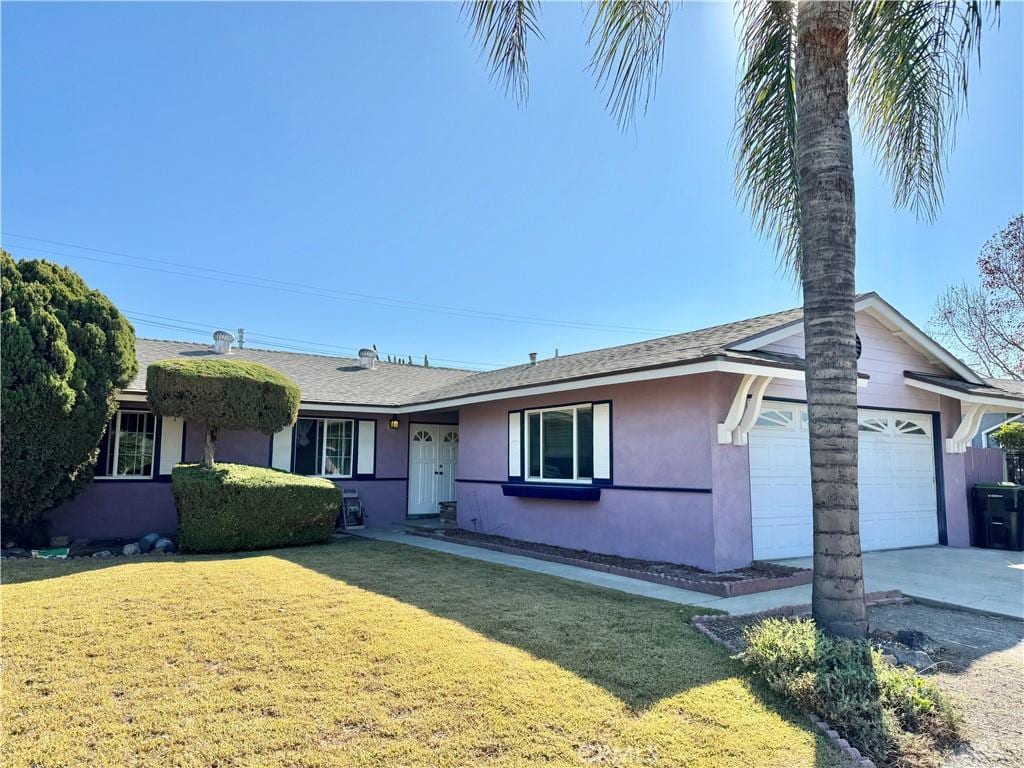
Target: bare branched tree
(984,323)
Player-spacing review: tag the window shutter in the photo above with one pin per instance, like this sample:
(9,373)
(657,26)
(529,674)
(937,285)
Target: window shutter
(366,448)
(281,450)
(515,453)
(170,443)
(602,441)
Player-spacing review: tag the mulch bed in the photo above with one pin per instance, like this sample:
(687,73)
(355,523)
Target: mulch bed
(760,577)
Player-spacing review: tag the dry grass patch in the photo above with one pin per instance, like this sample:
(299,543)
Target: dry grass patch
(367,654)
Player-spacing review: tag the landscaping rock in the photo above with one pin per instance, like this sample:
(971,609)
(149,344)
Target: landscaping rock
(130,549)
(81,543)
(164,546)
(916,640)
(917,659)
(60,541)
(147,542)
(890,658)
(103,553)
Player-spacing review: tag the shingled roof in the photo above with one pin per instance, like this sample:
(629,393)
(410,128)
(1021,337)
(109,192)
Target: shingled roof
(321,378)
(1004,389)
(340,380)
(692,346)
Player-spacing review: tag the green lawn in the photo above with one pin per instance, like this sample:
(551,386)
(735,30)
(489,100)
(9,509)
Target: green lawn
(368,654)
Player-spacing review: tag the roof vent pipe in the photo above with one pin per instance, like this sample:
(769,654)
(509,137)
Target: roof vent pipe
(533,358)
(222,342)
(367,358)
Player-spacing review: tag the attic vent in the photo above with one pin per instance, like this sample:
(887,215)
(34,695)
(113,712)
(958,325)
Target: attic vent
(222,342)
(367,358)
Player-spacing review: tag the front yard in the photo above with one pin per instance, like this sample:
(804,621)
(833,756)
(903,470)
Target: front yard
(368,654)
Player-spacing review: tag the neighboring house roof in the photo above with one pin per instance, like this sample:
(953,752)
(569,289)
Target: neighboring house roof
(1008,385)
(322,379)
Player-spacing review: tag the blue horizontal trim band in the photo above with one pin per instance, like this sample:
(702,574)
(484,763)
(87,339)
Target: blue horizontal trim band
(658,488)
(565,492)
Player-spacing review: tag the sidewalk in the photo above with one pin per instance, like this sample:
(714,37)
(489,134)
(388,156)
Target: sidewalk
(735,605)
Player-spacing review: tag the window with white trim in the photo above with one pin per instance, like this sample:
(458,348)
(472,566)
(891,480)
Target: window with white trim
(560,444)
(323,447)
(128,445)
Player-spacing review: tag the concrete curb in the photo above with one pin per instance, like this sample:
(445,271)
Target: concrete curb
(716,588)
(842,745)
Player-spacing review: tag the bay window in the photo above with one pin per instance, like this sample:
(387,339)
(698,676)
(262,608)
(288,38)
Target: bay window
(127,447)
(560,444)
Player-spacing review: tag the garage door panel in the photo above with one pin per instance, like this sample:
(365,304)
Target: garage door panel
(896,482)
(760,458)
(776,541)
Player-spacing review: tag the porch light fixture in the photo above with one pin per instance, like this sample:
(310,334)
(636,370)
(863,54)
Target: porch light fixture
(393,423)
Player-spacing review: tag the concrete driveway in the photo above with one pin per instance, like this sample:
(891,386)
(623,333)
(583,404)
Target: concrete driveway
(989,580)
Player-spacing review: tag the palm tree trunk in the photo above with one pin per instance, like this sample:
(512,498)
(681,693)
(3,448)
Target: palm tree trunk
(827,240)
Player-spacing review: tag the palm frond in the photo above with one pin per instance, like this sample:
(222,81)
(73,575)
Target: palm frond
(909,71)
(764,138)
(629,45)
(502,28)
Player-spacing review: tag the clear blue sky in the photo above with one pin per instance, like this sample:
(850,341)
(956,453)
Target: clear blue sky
(361,149)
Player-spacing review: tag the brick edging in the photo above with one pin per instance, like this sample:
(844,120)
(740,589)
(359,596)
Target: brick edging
(716,588)
(830,733)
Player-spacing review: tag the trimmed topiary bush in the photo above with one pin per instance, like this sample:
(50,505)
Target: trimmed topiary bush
(65,351)
(891,713)
(223,394)
(233,507)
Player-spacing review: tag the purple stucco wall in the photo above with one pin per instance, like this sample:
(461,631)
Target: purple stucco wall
(662,436)
(233,447)
(117,509)
(958,528)
(132,508)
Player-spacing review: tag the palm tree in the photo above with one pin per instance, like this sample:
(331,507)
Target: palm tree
(903,68)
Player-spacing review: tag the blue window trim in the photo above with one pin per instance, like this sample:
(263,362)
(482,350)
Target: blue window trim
(158,428)
(596,481)
(648,488)
(564,491)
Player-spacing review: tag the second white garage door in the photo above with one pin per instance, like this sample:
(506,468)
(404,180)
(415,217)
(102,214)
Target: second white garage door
(897,481)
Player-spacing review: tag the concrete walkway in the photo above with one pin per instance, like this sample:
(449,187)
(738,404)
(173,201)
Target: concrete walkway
(980,579)
(738,605)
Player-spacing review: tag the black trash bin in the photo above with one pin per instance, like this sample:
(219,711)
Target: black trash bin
(998,516)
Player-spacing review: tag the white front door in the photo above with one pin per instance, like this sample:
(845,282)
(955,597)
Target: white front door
(433,459)
(896,479)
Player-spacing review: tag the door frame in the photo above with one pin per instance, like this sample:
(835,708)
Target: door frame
(408,461)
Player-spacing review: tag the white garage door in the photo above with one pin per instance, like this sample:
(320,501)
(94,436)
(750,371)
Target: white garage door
(897,481)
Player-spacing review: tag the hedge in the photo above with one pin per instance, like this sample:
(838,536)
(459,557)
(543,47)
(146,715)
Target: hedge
(225,394)
(65,350)
(234,507)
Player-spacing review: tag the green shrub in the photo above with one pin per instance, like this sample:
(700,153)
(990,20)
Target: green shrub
(1010,437)
(232,507)
(223,394)
(65,350)
(891,713)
